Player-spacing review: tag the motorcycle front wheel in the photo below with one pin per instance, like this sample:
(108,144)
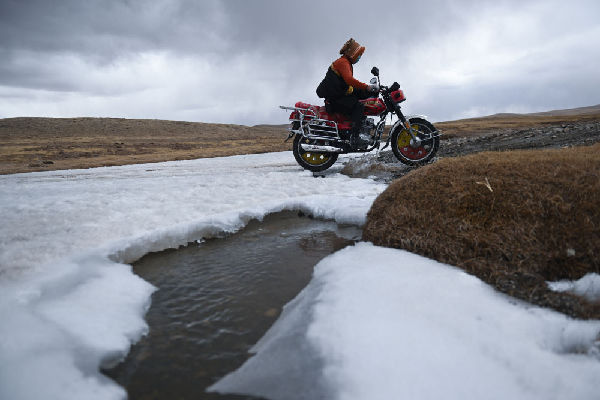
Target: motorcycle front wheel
(410,154)
(309,160)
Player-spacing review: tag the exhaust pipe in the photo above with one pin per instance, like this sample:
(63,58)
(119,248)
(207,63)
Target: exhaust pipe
(320,149)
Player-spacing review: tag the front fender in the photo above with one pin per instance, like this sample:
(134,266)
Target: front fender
(416,116)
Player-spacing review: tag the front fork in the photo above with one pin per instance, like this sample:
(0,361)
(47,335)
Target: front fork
(414,140)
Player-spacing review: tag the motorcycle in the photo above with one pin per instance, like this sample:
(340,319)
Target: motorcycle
(321,136)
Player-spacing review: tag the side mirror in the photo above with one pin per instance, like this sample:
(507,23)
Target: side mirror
(375,71)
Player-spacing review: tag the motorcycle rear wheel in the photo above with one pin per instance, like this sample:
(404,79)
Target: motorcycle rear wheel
(309,160)
(422,154)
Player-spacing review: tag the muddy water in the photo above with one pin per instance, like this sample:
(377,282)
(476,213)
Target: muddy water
(217,298)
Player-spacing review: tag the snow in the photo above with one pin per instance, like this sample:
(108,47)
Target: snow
(587,287)
(373,323)
(390,324)
(69,303)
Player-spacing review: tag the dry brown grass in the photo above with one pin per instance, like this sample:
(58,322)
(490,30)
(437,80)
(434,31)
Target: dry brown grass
(538,220)
(484,125)
(36,144)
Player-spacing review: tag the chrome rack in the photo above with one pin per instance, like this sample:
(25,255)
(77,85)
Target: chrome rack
(316,128)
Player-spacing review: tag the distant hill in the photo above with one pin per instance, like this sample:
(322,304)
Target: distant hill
(38,144)
(572,111)
(554,113)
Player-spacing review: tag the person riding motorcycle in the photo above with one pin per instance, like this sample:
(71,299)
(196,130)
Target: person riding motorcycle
(342,91)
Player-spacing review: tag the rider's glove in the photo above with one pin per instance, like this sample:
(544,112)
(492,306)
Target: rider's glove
(373,87)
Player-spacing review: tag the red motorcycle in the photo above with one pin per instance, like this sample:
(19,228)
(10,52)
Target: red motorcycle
(320,137)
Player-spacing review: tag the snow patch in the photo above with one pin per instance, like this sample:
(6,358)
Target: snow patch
(57,330)
(68,302)
(587,287)
(390,324)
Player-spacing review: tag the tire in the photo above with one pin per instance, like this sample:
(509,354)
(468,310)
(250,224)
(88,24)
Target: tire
(410,155)
(314,162)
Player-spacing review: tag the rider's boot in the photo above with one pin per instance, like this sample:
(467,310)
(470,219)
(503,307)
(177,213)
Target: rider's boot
(357,140)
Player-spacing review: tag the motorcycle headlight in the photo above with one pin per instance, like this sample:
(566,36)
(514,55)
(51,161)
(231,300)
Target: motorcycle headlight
(398,96)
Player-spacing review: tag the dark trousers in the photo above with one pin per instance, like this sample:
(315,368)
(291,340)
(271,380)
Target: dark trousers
(350,106)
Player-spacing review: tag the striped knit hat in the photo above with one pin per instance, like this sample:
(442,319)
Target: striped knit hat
(352,50)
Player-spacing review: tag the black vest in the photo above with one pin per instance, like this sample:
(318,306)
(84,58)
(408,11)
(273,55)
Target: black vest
(333,86)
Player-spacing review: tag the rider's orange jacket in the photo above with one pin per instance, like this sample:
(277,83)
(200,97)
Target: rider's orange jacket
(343,67)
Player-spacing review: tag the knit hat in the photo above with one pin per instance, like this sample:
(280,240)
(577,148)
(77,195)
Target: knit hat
(352,50)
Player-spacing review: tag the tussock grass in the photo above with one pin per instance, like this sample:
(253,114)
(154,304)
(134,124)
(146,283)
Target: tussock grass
(515,219)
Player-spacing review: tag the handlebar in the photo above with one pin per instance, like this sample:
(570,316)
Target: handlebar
(395,86)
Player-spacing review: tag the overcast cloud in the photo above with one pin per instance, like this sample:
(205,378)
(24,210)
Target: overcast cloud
(235,61)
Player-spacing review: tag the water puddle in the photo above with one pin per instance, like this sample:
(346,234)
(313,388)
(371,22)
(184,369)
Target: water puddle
(216,299)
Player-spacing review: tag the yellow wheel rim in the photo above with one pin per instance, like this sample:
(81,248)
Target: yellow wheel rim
(412,153)
(315,158)
(404,137)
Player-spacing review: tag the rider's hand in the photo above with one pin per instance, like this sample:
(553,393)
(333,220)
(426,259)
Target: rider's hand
(373,87)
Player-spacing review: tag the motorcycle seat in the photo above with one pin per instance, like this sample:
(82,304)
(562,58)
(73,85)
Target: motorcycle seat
(342,120)
(327,112)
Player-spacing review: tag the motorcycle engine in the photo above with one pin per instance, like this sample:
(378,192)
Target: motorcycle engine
(368,126)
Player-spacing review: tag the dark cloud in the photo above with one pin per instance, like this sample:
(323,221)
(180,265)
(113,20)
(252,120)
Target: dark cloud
(110,28)
(236,60)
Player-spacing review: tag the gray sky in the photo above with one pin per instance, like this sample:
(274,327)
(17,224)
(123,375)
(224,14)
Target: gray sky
(236,61)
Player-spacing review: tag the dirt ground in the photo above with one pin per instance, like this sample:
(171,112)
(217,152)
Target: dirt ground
(546,135)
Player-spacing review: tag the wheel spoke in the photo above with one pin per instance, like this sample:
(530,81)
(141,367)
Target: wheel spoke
(413,153)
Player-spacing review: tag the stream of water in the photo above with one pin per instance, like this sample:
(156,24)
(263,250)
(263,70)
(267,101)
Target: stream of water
(216,299)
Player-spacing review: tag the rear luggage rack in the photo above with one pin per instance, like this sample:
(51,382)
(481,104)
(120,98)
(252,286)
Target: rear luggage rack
(322,127)
(310,125)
